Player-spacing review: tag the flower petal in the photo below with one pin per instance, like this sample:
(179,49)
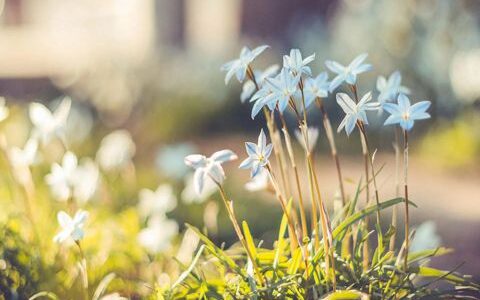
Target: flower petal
(223,156)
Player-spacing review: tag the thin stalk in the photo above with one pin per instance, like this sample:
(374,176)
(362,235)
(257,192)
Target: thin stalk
(396,147)
(291,155)
(293,236)
(229,206)
(325,222)
(303,217)
(333,148)
(83,264)
(405,169)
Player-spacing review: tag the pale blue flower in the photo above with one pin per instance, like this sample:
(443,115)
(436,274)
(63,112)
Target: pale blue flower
(426,237)
(238,67)
(354,111)
(296,64)
(71,227)
(249,87)
(257,155)
(391,87)
(208,167)
(284,87)
(349,73)
(316,88)
(265,96)
(405,114)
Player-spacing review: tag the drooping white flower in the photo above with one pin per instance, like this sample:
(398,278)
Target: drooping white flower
(22,159)
(210,167)
(249,86)
(189,194)
(296,64)
(116,150)
(389,89)
(4,111)
(71,227)
(257,155)
(238,67)
(349,73)
(259,182)
(49,124)
(73,180)
(405,114)
(312,135)
(354,111)
(158,202)
(158,234)
(316,88)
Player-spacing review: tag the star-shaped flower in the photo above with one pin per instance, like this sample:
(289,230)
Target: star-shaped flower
(249,87)
(208,167)
(71,227)
(316,88)
(354,111)
(349,73)
(405,114)
(389,89)
(238,67)
(296,64)
(257,155)
(48,124)
(284,87)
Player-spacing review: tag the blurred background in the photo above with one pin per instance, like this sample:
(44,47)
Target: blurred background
(153,68)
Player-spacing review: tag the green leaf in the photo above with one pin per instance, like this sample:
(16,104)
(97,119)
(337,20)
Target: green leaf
(365,212)
(281,237)
(249,240)
(187,272)
(346,295)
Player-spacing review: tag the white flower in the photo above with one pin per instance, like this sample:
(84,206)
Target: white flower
(405,114)
(208,167)
(4,111)
(348,73)
(259,182)
(116,150)
(189,195)
(296,64)
(71,228)
(312,135)
(85,180)
(61,177)
(113,296)
(158,234)
(48,124)
(389,89)
(257,155)
(22,159)
(238,67)
(72,180)
(354,111)
(284,87)
(158,202)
